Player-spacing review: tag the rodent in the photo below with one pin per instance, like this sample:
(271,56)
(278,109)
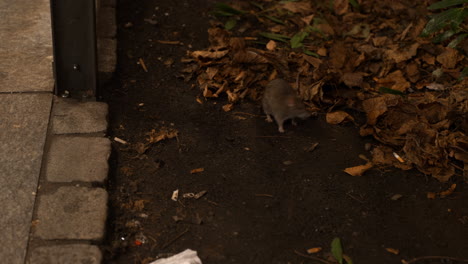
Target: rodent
(282,102)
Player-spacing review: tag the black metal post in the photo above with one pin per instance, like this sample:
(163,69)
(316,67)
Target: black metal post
(74,44)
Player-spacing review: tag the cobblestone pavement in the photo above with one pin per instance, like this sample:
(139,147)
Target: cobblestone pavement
(53,158)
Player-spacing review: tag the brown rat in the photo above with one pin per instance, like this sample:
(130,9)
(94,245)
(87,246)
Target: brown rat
(282,102)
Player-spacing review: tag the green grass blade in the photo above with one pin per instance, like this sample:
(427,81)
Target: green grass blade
(226,9)
(337,250)
(390,91)
(441,20)
(274,19)
(446,3)
(274,36)
(230,24)
(296,40)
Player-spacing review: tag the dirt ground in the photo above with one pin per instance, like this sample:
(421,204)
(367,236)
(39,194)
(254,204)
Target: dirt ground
(267,195)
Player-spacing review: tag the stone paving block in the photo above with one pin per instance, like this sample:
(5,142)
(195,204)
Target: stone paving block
(106,23)
(66,254)
(107,54)
(25,46)
(72,117)
(24,119)
(72,213)
(78,159)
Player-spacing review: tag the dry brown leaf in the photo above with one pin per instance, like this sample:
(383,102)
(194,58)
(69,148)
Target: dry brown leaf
(322,52)
(393,251)
(314,250)
(353,79)
(402,54)
(298,7)
(431,195)
(198,170)
(248,56)
(449,58)
(200,101)
(448,192)
(271,45)
(211,72)
(375,107)
(209,54)
(337,117)
(338,55)
(395,81)
(340,7)
(127,171)
(228,107)
(308,19)
(358,170)
(139,205)
(163,133)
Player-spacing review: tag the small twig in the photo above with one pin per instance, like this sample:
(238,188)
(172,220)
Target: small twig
(312,257)
(211,202)
(434,257)
(143,65)
(175,238)
(244,113)
(354,198)
(263,195)
(169,42)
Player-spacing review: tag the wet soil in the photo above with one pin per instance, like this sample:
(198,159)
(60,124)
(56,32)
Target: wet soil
(267,195)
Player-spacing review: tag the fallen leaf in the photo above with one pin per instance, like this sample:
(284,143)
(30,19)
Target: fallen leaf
(396,197)
(209,54)
(200,101)
(353,79)
(431,195)
(396,81)
(448,58)
(298,7)
(271,45)
(337,117)
(163,133)
(393,250)
(399,54)
(375,107)
(358,170)
(340,6)
(314,250)
(448,192)
(228,107)
(139,205)
(198,170)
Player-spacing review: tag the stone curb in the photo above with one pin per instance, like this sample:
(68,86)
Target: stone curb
(69,207)
(70,211)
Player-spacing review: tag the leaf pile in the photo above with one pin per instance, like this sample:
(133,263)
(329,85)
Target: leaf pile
(361,55)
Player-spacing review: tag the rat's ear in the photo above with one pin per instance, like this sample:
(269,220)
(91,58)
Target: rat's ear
(290,101)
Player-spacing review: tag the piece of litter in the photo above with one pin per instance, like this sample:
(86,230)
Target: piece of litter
(287,162)
(116,139)
(186,257)
(396,197)
(398,157)
(188,195)
(200,194)
(312,147)
(143,65)
(197,170)
(175,195)
(393,250)
(314,250)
